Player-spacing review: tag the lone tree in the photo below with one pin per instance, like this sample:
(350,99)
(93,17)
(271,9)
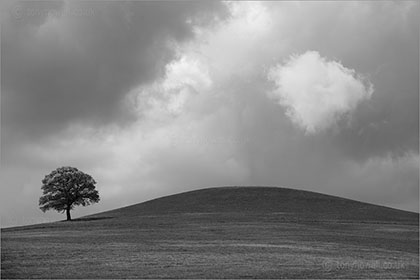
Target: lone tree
(65,188)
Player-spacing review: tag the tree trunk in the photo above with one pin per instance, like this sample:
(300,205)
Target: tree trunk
(68,214)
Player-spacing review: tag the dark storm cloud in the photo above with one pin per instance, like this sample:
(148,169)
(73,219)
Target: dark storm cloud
(74,61)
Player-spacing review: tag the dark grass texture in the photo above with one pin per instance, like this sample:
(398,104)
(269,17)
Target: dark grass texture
(222,233)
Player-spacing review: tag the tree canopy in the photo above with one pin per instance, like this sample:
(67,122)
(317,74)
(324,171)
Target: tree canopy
(65,188)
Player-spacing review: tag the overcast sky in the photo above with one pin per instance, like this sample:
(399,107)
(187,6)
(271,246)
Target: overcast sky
(155,98)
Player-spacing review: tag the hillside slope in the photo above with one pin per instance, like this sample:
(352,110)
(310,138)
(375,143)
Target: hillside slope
(305,204)
(228,232)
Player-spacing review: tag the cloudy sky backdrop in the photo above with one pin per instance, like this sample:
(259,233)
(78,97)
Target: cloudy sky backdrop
(155,98)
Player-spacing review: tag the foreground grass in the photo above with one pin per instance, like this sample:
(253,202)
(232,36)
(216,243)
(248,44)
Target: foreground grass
(212,245)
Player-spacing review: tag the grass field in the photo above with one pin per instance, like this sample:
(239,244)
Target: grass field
(222,233)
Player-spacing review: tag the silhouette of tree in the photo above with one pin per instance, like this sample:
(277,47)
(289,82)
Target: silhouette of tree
(65,188)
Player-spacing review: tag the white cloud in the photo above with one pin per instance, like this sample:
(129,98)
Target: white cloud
(235,46)
(184,79)
(316,92)
(201,76)
(187,71)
